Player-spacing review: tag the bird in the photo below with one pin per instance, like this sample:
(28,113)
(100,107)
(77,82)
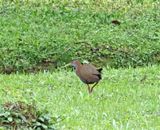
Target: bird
(87,73)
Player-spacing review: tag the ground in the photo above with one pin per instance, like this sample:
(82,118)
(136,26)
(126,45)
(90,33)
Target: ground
(124,99)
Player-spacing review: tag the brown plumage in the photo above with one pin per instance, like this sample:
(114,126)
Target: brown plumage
(88,74)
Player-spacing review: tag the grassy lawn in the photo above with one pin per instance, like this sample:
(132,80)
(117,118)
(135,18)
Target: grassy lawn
(124,99)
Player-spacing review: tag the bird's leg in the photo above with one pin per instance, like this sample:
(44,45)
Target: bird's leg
(93,86)
(89,89)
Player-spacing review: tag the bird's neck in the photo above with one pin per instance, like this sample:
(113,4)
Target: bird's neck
(78,67)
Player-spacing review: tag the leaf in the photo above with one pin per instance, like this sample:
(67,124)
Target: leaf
(6,114)
(44,126)
(23,118)
(10,119)
(41,119)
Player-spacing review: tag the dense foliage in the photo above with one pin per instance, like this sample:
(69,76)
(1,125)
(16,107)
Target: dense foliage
(20,115)
(44,35)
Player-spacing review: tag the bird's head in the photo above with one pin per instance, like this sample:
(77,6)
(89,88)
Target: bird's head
(75,63)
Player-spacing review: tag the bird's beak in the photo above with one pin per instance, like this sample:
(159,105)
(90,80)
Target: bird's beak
(69,64)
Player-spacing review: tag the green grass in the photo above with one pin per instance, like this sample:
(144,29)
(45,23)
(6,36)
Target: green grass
(43,34)
(37,34)
(124,99)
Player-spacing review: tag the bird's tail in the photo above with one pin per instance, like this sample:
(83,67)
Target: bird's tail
(100,70)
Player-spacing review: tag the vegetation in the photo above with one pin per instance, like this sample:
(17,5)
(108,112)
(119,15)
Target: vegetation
(38,35)
(16,116)
(124,99)
(46,34)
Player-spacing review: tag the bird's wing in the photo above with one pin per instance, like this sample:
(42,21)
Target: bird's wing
(90,74)
(90,69)
(94,71)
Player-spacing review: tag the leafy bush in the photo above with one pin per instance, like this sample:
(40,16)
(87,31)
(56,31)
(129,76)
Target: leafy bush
(45,35)
(23,116)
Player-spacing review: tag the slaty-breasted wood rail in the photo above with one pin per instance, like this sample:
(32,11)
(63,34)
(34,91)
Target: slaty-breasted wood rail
(88,74)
